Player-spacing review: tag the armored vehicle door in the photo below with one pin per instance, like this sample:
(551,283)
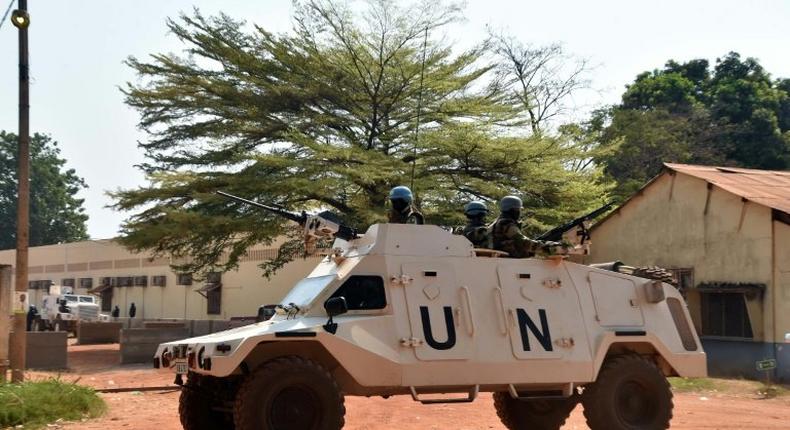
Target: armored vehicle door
(439,312)
(543,313)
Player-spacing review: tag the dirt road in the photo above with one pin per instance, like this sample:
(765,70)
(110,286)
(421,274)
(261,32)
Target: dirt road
(95,366)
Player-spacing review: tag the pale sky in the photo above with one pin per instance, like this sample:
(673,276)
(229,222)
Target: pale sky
(77,48)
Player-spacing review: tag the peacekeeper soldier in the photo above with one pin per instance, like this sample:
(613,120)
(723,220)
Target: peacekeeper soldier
(506,233)
(476,229)
(402,211)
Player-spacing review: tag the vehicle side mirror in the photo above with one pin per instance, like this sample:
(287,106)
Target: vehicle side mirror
(336,306)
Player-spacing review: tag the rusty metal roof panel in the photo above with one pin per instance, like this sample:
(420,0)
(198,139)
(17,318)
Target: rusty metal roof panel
(765,187)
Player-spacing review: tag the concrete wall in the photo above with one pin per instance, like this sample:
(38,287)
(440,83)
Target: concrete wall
(243,290)
(667,225)
(781,290)
(738,359)
(138,345)
(46,350)
(89,333)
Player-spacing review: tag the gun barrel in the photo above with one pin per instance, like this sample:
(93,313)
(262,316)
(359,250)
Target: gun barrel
(283,213)
(556,233)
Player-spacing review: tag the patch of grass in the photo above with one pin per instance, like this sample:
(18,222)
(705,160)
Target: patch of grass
(691,385)
(36,403)
(771,391)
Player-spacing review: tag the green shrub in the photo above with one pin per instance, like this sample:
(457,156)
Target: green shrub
(36,403)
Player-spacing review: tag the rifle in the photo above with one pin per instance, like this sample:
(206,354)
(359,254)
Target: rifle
(315,226)
(555,234)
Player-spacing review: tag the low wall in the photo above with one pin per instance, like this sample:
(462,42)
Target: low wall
(46,350)
(738,359)
(138,345)
(89,333)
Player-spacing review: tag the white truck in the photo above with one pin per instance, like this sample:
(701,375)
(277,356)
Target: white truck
(61,309)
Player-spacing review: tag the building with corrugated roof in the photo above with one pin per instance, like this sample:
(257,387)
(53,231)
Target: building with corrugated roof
(725,233)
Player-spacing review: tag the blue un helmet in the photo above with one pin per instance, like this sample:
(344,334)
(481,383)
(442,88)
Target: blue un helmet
(401,193)
(475,208)
(509,203)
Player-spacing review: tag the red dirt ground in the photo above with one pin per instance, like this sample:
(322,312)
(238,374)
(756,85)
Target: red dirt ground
(97,366)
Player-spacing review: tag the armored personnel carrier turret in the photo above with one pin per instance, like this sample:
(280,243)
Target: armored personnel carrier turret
(415,310)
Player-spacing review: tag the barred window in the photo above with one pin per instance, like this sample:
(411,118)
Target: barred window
(725,315)
(184,279)
(141,281)
(159,281)
(86,283)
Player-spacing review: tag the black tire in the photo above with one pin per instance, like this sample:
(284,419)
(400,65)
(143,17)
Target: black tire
(532,414)
(289,393)
(630,393)
(656,273)
(197,406)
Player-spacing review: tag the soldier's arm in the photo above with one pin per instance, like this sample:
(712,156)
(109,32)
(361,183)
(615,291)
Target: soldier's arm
(531,246)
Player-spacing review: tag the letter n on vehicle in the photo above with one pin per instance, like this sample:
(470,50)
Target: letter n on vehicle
(526,325)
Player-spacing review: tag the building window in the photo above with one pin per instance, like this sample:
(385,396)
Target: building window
(159,281)
(684,278)
(214,301)
(363,293)
(214,278)
(725,315)
(141,281)
(124,281)
(68,282)
(184,279)
(39,285)
(86,283)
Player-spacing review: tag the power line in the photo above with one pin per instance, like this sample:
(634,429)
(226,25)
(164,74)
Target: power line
(5,15)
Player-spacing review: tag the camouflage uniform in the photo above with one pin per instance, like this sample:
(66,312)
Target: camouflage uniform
(478,235)
(407,216)
(506,236)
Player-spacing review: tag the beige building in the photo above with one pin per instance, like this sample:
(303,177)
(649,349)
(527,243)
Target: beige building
(120,278)
(725,232)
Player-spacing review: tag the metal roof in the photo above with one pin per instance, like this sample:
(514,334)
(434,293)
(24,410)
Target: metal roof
(769,188)
(765,187)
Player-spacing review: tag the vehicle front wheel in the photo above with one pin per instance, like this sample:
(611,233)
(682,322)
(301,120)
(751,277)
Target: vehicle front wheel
(200,406)
(630,393)
(290,393)
(543,414)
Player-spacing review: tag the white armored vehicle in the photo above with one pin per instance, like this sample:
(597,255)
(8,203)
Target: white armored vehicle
(415,310)
(61,309)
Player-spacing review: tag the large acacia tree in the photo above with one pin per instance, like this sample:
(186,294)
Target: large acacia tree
(326,116)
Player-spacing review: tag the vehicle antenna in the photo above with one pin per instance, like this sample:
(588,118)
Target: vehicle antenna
(419,107)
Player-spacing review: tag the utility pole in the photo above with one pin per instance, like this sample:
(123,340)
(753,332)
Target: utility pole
(17,343)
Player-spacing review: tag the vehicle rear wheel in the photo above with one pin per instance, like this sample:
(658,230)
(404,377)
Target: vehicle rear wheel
(630,393)
(199,403)
(541,414)
(289,393)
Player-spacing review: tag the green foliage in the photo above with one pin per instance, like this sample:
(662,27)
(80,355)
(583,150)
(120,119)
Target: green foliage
(734,114)
(325,117)
(695,385)
(33,404)
(56,214)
